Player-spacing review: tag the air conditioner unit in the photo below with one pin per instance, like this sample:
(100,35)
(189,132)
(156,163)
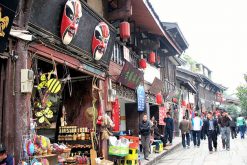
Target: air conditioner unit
(27,77)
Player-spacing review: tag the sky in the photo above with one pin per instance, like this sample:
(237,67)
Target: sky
(216,31)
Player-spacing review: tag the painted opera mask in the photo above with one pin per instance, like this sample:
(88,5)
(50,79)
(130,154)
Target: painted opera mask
(70,21)
(100,40)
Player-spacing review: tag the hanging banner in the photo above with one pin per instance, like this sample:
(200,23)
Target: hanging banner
(162,115)
(7,15)
(156,86)
(140,98)
(116,115)
(130,76)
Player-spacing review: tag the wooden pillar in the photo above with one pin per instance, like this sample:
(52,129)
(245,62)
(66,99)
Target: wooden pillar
(22,100)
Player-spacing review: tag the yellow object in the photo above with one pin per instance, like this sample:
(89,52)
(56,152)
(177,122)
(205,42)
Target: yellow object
(133,154)
(53,85)
(130,162)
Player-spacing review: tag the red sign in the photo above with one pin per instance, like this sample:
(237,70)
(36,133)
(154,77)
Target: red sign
(116,115)
(162,115)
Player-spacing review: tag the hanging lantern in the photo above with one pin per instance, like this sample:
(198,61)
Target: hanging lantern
(183,103)
(159,99)
(174,100)
(142,63)
(124,29)
(151,58)
(188,106)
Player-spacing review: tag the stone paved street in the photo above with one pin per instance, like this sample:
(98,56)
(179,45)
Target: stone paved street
(200,156)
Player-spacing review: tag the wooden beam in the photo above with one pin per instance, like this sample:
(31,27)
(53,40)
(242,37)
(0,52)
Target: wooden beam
(124,11)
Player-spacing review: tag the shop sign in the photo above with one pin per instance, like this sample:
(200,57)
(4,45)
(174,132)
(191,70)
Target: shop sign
(130,76)
(73,26)
(162,115)
(156,86)
(140,98)
(7,15)
(116,115)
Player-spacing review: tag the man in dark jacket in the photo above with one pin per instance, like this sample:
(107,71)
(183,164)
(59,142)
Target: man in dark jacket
(224,123)
(5,159)
(169,127)
(211,128)
(144,129)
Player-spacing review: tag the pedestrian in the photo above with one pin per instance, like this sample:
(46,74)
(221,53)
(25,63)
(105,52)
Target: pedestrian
(144,129)
(224,123)
(169,127)
(203,133)
(5,159)
(197,127)
(157,135)
(211,128)
(233,128)
(185,127)
(241,125)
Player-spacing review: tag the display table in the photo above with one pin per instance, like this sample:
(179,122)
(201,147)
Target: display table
(52,158)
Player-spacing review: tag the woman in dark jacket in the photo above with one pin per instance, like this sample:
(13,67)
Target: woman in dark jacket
(156,131)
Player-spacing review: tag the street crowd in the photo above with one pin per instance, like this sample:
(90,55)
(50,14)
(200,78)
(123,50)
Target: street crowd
(200,127)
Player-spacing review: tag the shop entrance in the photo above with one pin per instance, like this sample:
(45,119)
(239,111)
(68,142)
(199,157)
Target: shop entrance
(154,112)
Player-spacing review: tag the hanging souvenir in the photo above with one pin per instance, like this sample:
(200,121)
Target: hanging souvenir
(100,40)
(70,21)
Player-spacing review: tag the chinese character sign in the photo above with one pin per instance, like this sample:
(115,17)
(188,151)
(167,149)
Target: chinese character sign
(140,98)
(7,14)
(130,76)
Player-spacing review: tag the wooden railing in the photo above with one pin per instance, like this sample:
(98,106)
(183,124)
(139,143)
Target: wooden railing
(118,55)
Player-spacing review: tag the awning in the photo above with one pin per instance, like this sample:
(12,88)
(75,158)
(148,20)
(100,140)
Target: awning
(62,58)
(187,84)
(144,17)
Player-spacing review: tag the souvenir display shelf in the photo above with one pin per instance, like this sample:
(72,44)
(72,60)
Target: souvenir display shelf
(76,138)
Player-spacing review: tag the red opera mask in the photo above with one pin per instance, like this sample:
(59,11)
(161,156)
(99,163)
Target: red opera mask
(71,17)
(100,40)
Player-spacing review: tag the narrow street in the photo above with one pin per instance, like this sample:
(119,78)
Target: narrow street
(200,156)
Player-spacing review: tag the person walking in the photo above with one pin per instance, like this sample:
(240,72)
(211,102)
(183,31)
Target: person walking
(203,132)
(144,129)
(241,125)
(197,127)
(224,123)
(211,128)
(233,128)
(169,127)
(185,127)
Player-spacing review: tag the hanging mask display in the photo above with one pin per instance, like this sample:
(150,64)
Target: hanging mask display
(70,21)
(100,40)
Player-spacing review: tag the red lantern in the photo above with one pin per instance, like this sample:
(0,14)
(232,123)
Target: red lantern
(159,99)
(188,106)
(183,103)
(151,58)
(142,63)
(174,100)
(124,29)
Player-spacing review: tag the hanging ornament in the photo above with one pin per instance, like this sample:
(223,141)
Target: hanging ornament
(142,63)
(174,100)
(159,99)
(151,58)
(183,103)
(124,29)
